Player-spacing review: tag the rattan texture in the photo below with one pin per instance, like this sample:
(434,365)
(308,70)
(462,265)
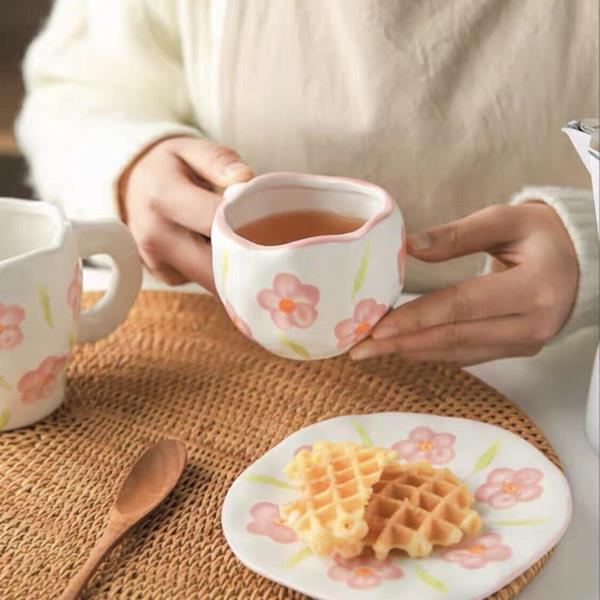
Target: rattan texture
(178,368)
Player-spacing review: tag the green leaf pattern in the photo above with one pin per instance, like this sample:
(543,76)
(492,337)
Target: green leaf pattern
(362,270)
(4,418)
(296,558)
(430,580)
(294,347)
(267,479)
(362,433)
(46,307)
(224,266)
(486,458)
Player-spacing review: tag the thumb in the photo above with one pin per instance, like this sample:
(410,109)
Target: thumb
(218,164)
(483,231)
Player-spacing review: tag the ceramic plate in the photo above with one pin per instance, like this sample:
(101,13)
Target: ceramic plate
(523,498)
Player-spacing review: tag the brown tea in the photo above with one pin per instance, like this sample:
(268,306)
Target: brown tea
(282,228)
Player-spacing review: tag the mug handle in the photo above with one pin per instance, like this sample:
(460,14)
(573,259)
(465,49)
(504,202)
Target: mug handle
(113,238)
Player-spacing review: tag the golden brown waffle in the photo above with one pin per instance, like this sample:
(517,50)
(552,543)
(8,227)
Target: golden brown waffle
(415,507)
(336,480)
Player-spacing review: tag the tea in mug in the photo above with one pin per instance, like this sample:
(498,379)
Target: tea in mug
(282,228)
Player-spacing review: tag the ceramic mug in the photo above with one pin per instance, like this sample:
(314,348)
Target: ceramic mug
(40,291)
(315,297)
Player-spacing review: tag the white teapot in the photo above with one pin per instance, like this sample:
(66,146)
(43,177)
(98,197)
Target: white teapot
(585,135)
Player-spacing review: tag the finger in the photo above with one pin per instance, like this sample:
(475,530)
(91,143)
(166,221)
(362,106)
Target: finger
(189,256)
(493,295)
(215,163)
(464,356)
(497,332)
(169,275)
(187,205)
(485,230)
(172,253)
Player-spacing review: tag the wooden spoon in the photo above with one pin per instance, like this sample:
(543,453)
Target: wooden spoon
(148,483)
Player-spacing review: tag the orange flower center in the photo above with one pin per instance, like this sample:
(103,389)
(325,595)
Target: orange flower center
(277,521)
(2,328)
(477,549)
(363,327)
(287,305)
(425,446)
(510,488)
(363,571)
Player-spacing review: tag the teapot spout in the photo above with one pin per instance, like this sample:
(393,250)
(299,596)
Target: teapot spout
(580,133)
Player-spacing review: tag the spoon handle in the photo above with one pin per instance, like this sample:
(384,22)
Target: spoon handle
(110,538)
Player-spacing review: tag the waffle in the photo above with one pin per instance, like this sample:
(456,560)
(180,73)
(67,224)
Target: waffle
(336,480)
(415,507)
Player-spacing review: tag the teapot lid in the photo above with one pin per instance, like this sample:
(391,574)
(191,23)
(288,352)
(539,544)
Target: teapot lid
(589,125)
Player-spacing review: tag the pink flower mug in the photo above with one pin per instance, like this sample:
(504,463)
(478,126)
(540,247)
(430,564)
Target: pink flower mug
(315,297)
(40,291)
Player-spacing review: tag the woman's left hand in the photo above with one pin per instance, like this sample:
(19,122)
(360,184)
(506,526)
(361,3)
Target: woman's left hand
(512,311)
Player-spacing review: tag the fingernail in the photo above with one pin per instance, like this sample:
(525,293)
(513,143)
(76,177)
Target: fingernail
(361,352)
(419,241)
(384,332)
(234,170)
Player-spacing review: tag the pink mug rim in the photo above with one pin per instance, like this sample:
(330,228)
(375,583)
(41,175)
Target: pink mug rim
(269,180)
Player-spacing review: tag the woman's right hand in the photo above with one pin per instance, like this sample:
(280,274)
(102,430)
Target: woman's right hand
(168,202)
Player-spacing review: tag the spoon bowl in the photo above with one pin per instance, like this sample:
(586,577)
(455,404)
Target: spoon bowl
(151,478)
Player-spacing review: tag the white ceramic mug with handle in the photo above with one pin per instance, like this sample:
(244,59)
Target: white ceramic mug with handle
(315,297)
(40,292)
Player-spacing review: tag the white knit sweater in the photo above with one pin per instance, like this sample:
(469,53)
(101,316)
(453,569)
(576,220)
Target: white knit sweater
(369,89)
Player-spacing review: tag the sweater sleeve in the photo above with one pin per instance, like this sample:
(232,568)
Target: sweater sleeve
(575,207)
(104,80)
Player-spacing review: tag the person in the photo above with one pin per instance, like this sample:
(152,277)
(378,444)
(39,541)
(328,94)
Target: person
(144,108)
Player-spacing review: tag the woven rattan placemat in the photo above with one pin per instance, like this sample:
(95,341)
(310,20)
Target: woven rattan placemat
(178,368)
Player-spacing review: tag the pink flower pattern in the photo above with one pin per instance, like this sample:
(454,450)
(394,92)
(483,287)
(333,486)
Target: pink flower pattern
(424,444)
(366,314)
(474,553)
(290,302)
(266,521)
(363,573)
(505,487)
(40,383)
(11,317)
(238,321)
(300,448)
(74,291)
